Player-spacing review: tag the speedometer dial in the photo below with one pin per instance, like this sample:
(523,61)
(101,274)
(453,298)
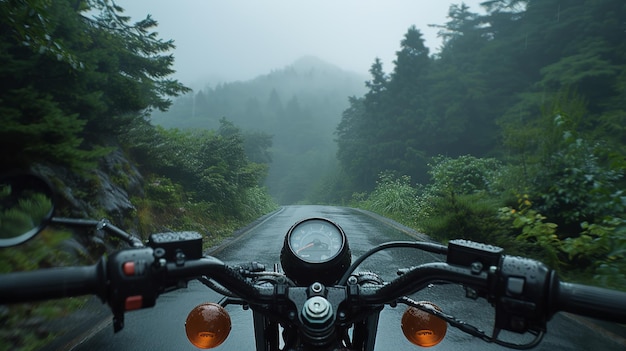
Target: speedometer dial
(316,241)
(315,250)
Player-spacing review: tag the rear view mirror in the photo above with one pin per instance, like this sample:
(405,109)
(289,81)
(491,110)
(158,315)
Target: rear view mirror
(26,206)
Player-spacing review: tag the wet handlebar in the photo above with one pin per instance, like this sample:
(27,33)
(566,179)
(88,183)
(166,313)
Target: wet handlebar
(609,305)
(133,277)
(223,274)
(524,292)
(52,283)
(418,278)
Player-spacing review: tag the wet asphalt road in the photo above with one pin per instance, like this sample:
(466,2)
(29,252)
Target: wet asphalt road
(162,327)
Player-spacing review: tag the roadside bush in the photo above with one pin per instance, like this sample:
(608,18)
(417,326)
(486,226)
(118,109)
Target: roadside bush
(577,185)
(468,216)
(569,215)
(464,174)
(163,193)
(257,202)
(611,274)
(574,186)
(530,227)
(393,197)
(601,248)
(598,250)
(461,200)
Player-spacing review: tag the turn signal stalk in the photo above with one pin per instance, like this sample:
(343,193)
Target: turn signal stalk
(207,325)
(422,328)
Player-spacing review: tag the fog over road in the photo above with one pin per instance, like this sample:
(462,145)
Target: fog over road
(162,327)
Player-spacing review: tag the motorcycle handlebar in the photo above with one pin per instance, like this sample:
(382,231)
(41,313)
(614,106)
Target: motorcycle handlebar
(52,283)
(113,282)
(419,277)
(223,274)
(127,273)
(521,287)
(594,302)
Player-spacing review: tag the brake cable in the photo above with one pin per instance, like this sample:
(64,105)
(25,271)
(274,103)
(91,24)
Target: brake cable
(470,329)
(213,285)
(424,246)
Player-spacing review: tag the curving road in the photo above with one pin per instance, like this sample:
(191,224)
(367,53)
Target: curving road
(162,327)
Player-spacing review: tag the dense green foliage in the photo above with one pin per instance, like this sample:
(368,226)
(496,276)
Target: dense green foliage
(534,91)
(393,196)
(494,72)
(78,83)
(465,199)
(60,103)
(207,168)
(81,81)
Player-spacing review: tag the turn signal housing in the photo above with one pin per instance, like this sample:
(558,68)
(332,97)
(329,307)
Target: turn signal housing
(422,328)
(207,325)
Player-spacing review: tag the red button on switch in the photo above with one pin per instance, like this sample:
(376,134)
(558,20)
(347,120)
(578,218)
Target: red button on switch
(129,268)
(133,302)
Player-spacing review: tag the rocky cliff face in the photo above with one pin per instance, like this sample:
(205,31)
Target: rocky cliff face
(105,191)
(119,179)
(102,192)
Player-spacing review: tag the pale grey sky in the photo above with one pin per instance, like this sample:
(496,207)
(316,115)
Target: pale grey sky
(241,39)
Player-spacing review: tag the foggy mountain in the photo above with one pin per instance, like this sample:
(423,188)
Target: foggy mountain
(318,87)
(299,105)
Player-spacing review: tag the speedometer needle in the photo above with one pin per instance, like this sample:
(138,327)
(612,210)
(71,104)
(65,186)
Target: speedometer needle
(305,247)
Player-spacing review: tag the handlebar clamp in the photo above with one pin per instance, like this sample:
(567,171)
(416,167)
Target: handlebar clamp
(521,295)
(518,286)
(133,282)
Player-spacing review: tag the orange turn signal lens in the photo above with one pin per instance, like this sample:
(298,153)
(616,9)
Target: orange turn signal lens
(422,328)
(207,325)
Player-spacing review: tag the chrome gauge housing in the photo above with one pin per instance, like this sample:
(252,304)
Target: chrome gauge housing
(315,250)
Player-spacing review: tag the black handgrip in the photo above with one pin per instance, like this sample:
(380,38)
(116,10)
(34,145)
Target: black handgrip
(52,283)
(605,304)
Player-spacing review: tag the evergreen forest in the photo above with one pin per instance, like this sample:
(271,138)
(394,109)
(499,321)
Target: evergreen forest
(79,82)
(512,133)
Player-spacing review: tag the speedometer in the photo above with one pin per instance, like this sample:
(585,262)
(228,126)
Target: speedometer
(316,240)
(315,250)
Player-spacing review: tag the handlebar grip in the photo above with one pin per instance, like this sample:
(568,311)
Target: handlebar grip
(51,283)
(590,301)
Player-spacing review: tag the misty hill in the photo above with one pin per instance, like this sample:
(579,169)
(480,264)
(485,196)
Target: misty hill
(299,106)
(310,83)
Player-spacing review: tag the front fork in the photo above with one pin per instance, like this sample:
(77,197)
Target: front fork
(364,333)
(265,333)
